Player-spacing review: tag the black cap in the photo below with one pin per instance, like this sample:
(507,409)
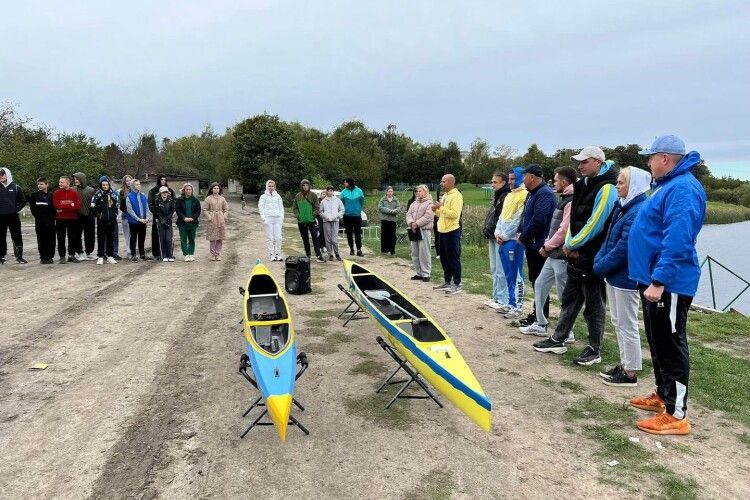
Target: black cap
(534,169)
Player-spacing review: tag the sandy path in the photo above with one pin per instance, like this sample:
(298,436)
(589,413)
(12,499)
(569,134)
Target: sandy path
(142,398)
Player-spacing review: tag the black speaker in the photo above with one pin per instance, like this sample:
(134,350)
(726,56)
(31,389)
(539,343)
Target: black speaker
(297,278)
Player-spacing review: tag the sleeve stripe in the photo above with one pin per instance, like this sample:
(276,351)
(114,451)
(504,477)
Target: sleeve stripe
(604,193)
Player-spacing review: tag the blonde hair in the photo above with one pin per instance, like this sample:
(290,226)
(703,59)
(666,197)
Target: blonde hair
(625,172)
(426,189)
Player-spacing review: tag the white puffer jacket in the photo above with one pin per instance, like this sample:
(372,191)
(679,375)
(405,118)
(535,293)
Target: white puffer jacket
(270,205)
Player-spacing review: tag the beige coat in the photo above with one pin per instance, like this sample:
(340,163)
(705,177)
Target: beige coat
(216,208)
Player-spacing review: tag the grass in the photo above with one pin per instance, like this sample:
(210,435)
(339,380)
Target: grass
(636,463)
(718,212)
(744,438)
(322,313)
(435,485)
(370,367)
(717,327)
(371,407)
(721,382)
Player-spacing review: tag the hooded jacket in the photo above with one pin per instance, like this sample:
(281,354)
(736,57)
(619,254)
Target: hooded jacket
(187,206)
(270,204)
(85,192)
(611,262)
(153,193)
(537,215)
(306,205)
(420,212)
(12,199)
(661,247)
(164,210)
(104,204)
(510,216)
(331,209)
(496,206)
(354,200)
(137,207)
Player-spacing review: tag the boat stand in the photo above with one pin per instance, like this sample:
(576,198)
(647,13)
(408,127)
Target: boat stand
(244,365)
(413,377)
(352,312)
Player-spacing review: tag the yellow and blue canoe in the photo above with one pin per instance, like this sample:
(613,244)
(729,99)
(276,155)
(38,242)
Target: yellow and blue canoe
(270,344)
(423,343)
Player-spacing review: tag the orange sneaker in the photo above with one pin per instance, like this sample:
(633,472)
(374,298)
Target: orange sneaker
(664,423)
(652,402)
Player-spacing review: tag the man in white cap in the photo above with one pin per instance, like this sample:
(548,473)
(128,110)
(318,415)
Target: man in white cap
(594,198)
(663,261)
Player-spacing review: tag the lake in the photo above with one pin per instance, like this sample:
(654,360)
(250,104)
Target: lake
(730,245)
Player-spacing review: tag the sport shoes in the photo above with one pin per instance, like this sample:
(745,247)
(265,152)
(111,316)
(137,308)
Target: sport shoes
(63,260)
(610,372)
(320,258)
(73,259)
(99,261)
(453,290)
(652,402)
(165,259)
(338,257)
(588,357)
(111,260)
(503,309)
(416,277)
(426,279)
(550,345)
(21,260)
(360,254)
(527,321)
(571,338)
(444,286)
(534,329)
(171,260)
(513,314)
(330,257)
(90,257)
(621,379)
(664,423)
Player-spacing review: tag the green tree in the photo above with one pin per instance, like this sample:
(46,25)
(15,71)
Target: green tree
(262,148)
(356,151)
(477,163)
(396,147)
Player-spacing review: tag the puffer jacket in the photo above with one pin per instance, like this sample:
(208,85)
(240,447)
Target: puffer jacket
(420,212)
(270,204)
(389,210)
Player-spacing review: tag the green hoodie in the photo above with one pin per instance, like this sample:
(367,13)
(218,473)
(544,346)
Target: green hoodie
(85,192)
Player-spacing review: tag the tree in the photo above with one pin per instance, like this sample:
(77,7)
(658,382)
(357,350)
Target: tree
(204,155)
(114,160)
(262,148)
(477,163)
(396,147)
(356,151)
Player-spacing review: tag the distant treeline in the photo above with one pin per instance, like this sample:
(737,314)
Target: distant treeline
(263,147)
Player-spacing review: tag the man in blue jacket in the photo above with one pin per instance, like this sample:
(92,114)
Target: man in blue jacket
(663,261)
(537,215)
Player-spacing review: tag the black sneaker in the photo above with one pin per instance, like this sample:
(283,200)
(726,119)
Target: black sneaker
(527,321)
(133,259)
(416,277)
(2,260)
(426,279)
(330,257)
(609,373)
(360,254)
(144,257)
(117,257)
(73,259)
(21,260)
(320,259)
(351,251)
(589,356)
(63,260)
(338,257)
(550,345)
(621,379)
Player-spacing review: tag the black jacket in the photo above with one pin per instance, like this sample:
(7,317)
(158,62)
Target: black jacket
(494,212)
(12,199)
(164,210)
(104,205)
(180,209)
(42,207)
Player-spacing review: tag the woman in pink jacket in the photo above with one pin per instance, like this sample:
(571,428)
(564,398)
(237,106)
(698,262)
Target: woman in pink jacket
(420,220)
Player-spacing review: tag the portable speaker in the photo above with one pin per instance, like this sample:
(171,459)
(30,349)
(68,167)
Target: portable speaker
(297,278)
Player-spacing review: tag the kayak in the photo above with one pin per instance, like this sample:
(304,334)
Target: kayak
(419,339)
(270,344)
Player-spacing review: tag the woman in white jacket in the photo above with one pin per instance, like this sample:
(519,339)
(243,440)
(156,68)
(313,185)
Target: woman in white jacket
(271,208)
(331,210)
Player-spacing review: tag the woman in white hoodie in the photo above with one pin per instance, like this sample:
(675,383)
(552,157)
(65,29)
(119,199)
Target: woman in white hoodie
(271,208)
(331,211)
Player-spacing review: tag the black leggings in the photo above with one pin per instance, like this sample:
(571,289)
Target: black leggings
(353,228)
(138,232)
(387,236)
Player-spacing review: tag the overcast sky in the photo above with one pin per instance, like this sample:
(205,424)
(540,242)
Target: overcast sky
(561,74)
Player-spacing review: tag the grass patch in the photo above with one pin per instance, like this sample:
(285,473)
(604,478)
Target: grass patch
(719,381)
(372,408)
(323,348)
(364,354)
(717,327)
(370,367)
(310,332)
(314,323)
(323,313)
(435,485)
(574,387)
(636,463)
(744,438)
(718,212)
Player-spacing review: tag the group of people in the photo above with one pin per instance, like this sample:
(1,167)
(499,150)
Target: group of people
(602,240)
(77,216)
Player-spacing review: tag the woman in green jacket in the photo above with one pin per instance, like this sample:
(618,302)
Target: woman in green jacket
(188,209)
(389,208)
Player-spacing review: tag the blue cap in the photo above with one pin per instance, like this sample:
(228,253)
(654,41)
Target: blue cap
(103,178)
(670,144)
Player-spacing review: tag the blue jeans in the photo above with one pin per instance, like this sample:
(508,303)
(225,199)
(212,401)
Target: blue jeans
(511,256)
(499,285)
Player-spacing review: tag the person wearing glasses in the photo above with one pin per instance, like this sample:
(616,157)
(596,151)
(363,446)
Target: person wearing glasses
(594,198)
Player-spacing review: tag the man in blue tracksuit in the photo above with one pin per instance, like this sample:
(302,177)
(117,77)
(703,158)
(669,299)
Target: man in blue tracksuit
(663,261)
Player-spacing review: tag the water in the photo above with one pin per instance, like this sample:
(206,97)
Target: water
(730,245)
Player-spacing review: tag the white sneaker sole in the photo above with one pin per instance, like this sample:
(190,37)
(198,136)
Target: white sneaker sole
(589,363)
(553,350)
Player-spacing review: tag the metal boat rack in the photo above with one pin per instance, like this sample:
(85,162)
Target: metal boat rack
(244,365)
(413,377)
(352,312)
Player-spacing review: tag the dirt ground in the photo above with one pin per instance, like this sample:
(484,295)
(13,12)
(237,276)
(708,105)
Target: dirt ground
(142,398)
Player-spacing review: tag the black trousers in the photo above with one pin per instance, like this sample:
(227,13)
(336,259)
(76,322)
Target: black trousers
(388,236)
(138,234)
(304,229)
(155,247)
(67,227)
(353,229)
(450,256)
(105,238)
(45,238)
(11,222)
(535,262)
(592,293)
(436,237)
(321,235)
(667,341)
(86,227)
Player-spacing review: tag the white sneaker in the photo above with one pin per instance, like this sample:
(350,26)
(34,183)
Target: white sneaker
(497,307)
(90,257)
(111,260)
(534,329)
(571,338)
(165,259)
(503,309)
(453,290)
(99,261)
(192,258)
(171,260)
(489,303)
(513,314)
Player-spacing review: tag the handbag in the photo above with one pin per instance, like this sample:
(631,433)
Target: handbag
(414,235)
